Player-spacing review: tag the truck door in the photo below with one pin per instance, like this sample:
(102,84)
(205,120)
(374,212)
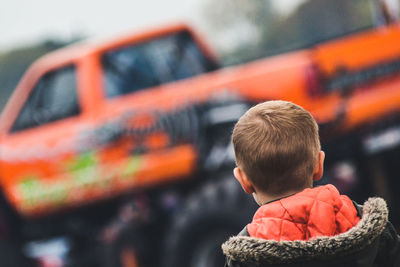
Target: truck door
(37,151)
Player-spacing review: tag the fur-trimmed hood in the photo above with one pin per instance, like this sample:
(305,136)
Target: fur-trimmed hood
(262,251)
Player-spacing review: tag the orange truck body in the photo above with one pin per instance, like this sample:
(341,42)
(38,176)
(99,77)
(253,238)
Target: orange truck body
(52,167)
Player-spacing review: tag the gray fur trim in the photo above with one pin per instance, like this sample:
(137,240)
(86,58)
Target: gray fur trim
(256,250)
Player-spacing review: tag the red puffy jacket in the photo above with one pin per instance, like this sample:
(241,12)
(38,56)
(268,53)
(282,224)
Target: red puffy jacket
(319,211)
(316,227)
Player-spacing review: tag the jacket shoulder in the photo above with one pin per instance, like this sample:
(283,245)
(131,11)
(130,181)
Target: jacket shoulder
(389,247)
(368,235)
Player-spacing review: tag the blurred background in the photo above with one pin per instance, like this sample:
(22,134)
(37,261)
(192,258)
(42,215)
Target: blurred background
(178,194)
(239,31)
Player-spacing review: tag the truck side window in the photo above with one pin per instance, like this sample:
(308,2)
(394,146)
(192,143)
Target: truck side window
(152,63)
(53,98)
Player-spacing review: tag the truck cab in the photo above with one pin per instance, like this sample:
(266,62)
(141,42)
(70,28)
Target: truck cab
(59,124)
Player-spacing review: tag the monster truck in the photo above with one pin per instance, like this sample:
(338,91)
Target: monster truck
(118,153)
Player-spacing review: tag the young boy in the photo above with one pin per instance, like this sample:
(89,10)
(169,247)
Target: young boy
(278,156)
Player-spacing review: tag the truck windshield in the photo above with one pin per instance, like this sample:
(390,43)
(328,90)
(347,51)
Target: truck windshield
(166,59)
(276,26)
(314,21)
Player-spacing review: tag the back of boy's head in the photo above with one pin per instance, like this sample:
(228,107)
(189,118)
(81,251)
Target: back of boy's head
(277,144)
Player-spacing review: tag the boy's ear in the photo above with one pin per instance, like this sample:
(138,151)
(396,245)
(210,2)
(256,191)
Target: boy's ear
(241,176)
(319,167)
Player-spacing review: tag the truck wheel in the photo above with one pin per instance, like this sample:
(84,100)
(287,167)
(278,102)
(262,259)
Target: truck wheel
(11,255)
(221,209)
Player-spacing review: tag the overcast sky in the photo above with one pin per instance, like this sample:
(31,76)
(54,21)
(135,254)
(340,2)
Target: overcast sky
(23,22)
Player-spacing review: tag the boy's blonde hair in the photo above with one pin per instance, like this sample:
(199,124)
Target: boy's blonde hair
(277,144)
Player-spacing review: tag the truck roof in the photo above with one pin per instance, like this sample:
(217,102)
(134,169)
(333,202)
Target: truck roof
(78,50)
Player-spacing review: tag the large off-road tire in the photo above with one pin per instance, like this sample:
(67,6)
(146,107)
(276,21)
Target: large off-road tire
(11,255)
(221,209)
(11,244)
